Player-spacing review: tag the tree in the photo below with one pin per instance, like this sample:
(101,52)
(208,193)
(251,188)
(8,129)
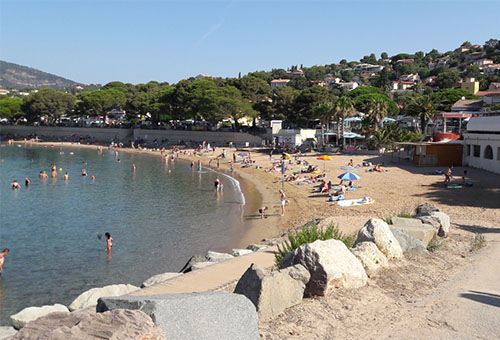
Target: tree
(10,108)
(344,107)
(306,102)
(346,75)
(422,107)
(384,55)
(97,102)
(315,73)
(377,110)
(283,100)
(254,89)
(446,79)
(444,99)
(324,111)
(49,103)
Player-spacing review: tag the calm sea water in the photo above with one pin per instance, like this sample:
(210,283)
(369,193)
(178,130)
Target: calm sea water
(52,228)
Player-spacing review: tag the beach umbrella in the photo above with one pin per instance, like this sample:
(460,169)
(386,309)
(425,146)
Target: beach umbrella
(287,156)
(348,176)
(348,168)
(243,154)
(324,158)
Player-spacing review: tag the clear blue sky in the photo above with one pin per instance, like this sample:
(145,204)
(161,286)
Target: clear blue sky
(138,41)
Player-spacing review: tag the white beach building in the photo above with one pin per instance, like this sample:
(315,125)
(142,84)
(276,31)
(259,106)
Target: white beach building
(482,143)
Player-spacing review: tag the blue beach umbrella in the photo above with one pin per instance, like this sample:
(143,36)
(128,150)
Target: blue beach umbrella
(242,154)
(349,176)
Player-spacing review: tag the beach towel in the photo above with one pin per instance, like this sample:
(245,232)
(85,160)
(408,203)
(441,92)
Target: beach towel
(336,198)
(349,189)
(306,183)
(355,202)
(454,186)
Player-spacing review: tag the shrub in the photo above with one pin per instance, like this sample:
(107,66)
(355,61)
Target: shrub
(309,234)
(433,245)
(478,242)
(387,220)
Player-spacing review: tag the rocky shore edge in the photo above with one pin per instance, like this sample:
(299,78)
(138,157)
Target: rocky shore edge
(260,294)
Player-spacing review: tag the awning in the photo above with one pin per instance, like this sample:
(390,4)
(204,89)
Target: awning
(325,134)
(353,135)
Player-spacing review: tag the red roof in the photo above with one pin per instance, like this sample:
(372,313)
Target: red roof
(453,115)
(488,93)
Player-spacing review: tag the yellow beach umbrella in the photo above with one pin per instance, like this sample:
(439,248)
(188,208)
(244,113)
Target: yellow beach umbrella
(324,158)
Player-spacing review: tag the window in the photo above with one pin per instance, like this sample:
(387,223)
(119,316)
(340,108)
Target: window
(488,152)
(477,150)
(467,148)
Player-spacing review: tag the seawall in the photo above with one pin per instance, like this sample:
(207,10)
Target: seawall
(105,135)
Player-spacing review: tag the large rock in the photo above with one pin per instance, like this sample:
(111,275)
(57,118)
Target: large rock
(426,209)
(201,265)
(6,332)
(32,313)
(189,264)
(408,243)
(256,247)
(444,220)
(330,264)
(272,293)
(213,256)
(378,232)
(432,221)
(370,257)
(241,252)
(90,297)
(415,228)
(190,316)
(158,279)
(118,325)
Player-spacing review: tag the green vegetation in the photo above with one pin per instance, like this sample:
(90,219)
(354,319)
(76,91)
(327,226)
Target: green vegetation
(309,234)
(478,242)
(434,245)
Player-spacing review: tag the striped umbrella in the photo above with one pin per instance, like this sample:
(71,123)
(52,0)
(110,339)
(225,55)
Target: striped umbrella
(349,176)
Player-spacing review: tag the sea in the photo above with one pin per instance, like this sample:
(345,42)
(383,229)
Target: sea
(159,216)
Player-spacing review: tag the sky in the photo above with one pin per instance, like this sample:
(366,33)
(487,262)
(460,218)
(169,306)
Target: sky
(137,41)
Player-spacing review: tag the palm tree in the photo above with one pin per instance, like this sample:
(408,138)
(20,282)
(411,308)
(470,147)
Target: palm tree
(422,107)
(324,113)
(344,107)
(377,109)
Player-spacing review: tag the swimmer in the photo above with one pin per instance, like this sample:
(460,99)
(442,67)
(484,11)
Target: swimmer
(26,181)
(71,153)
(54,174)
(84,163)
(216,183)
(2,258)
(109,242)
(65,177)
(84,172)
(43,175)
(93,178)
(192,164)
(133,167)
(15,185)
(169,171)
(118,160)
(53,167)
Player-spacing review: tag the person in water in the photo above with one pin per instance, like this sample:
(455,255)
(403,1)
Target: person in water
(27,181)
(133,167)
(54,174)
(109,242)
(84,172)
(216,183)
(2,258)
(65,176)
(15,185)
(93,178)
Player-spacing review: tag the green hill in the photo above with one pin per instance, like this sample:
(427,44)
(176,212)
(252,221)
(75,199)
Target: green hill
(18,77)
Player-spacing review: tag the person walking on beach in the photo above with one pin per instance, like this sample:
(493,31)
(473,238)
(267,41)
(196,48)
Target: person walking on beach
(109,242)
(283,202)
(2,258)
(448,175)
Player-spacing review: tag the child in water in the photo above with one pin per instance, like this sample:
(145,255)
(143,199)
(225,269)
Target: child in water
(2,258)
(109,242)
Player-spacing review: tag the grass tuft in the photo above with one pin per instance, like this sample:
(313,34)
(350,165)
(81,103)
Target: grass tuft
(434,245)
(309,234)
(478,242)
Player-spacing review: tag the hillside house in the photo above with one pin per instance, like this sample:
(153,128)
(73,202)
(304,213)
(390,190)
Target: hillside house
(467,105)
(489,97)
(349,86)
(431,81)
(400,85)
(470,85)
(406,61)
(491,69)
(494,87)
(410,77)
(482,62)
(332,80)
(279,82)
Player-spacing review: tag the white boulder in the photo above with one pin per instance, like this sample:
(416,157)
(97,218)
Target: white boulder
(241,252)
(370,256)
(20,319)
(445,222)
(90,297)
(213,256)
(378,232)
(159,278)
(330,264)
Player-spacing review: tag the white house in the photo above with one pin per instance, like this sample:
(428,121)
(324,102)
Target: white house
(279,82)
(368,68)
(483,62)
(400,85)
(295,137)
(349,86)
(410,77)
(491,69)
(332,80)
(482,143)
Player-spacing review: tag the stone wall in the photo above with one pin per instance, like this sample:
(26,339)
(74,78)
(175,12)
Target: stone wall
(127,135)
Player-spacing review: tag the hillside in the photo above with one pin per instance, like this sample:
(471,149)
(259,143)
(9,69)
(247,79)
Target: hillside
(18,76)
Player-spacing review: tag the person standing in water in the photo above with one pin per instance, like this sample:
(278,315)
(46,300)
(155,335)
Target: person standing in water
(65,176)
(15,185)
(133,167)
(109,242)
(27,181)
(283,202)
(216,183)
(2,258)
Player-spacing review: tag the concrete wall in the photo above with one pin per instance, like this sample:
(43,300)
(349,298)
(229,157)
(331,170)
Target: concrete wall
(483,140)
(127,135)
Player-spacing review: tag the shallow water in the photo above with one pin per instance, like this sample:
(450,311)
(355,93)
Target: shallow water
(54,228)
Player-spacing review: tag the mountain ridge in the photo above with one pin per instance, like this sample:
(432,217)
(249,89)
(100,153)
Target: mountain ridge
(19,76)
